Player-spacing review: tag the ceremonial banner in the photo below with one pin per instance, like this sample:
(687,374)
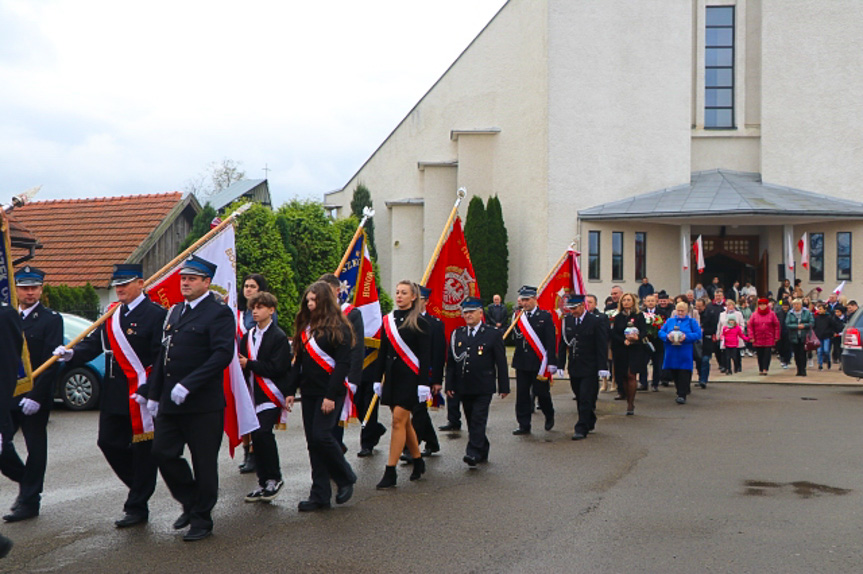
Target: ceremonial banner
(564,280)
(9,296)
(240,417)
(358,288)
(803,247)
(452,279)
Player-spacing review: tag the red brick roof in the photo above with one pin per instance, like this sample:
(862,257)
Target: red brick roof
(19,234)
(82,239)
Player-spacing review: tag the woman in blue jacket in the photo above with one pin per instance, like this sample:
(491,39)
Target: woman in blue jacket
(679,334)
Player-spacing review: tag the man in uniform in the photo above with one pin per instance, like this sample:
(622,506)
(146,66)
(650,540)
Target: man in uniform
(477,362)
(43,329)
(131,340)
(186,395)
(11,341)
(534,349)
(584,340)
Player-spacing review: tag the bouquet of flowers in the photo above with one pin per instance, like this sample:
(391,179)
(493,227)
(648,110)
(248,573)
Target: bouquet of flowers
(654,324)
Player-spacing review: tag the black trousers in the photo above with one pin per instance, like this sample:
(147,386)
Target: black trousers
(202,433)
(765,354)
(266,452)
(325,455)
(586,390)
(132,462)
(657,356)
(421,420)
(525,383)
(370,435)
(30,476)
(836,348)
(800,356)
(453,410)
(682,381)
(732,360)
(476,413)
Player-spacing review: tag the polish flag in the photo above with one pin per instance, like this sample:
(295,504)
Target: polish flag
(685,247)
(699,255)
(789,252)
(803,247)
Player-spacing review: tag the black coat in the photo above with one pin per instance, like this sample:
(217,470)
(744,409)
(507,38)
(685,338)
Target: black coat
(633,356)
(585,345)
(399,381)
(311,378)
(273,361)
(710,319)
(827,325)
(358,351)
(525,358)
(11,342)
(195,351)
(438,349)
(476,364)
(495,314)
(143,329)
(43,329)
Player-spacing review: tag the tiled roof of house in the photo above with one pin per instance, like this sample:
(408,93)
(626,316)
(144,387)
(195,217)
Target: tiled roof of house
(19,234)
(82,239)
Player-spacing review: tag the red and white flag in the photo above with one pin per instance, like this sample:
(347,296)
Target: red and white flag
(839,289)
(240,417)
(803,247)
(564,280)
(789,252)
(698,247)
(685,248)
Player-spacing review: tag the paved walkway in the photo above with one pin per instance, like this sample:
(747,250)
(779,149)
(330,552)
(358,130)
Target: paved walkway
(777,374)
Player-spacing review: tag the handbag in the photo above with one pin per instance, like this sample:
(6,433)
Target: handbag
(812,341)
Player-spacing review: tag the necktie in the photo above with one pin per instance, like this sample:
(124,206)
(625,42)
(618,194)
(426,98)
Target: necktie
(23,316)
(186,308)
(124,309)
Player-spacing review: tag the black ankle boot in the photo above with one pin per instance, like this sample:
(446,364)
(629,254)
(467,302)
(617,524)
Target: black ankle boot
(249,464)
(419,468)
(245,455)
(389,479)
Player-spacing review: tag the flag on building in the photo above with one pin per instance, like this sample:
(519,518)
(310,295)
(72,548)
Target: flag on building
(698,247)
(789,252)
(8,295)
(240,417)
(803,247)
(358,288)
(685,247)
(565,279)
(452,280)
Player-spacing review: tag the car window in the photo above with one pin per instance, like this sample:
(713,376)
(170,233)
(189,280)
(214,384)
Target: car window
(73,325)
(856,319)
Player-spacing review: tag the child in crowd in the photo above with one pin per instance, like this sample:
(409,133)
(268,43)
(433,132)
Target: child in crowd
(730,340)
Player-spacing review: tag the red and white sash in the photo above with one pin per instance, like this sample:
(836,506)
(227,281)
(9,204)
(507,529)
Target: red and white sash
(136,374)
(267,385)
(535,343)
(328,364)
(241,327)
(399,344)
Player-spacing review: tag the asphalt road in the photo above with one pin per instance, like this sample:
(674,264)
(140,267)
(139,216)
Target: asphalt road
(744,478)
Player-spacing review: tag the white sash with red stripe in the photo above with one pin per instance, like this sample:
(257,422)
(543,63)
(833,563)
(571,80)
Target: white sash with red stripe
(136,374)
(327,363)
(535,343)
(277,399)
(399,344)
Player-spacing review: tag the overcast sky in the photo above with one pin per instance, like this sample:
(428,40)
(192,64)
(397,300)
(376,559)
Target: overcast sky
(104,97)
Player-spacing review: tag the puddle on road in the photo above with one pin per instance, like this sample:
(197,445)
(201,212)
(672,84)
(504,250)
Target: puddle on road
(801,488)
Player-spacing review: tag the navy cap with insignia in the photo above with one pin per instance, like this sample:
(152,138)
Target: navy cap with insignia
(425,292)
(29,277)
(195,265)
(126,273)
(471,304)
(574,300)
(527,291)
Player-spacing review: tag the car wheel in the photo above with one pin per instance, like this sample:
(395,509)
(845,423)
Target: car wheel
(80,390)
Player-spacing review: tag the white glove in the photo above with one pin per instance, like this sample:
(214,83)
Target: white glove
(153,407)
(63,354)
(604,375)
(138,399)
(179,394)
(552,369)
(29,406)
(377,388)
(423,393)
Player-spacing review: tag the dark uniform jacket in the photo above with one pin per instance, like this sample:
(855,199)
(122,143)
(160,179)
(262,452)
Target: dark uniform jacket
(585,345)
(524,357)
(477,363)
(308,376)
(400,383)
(143,329)
(43,328)
(438,349)
(195,351)
(273,361)
(358,351)
(11,342)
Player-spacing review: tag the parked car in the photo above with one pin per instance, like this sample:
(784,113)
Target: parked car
(852,346)
(79,387)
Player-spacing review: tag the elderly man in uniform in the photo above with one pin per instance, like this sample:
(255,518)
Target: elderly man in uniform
(584,341)
(43,329)
(131,340)
(534,349)
(477,364)
(186,395)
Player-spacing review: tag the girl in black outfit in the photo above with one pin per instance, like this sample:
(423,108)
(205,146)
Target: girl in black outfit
(400,380)
(630,356)
(322,343)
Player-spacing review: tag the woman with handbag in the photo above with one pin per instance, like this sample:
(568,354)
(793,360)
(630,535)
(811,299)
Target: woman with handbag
(799,322)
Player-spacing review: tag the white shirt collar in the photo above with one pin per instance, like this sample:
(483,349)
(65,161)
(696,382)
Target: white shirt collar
(260,331)
(131,306)
(27,311)
(195,302)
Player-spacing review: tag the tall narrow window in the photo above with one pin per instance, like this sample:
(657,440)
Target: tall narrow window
(617,256)
(843,255)
(719,68)
(816,257)
(593,255)
(640,255)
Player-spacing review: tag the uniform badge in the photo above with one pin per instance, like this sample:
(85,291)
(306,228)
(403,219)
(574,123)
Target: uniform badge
(479,350)
(459,343)
(130,332)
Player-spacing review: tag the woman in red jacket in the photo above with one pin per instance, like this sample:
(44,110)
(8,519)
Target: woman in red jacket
(764,331)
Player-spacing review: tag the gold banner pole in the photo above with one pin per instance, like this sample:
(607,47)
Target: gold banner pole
(368,213)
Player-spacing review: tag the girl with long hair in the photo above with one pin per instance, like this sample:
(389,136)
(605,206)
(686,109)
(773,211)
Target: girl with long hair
(628,332)
(322,345)
(402,366)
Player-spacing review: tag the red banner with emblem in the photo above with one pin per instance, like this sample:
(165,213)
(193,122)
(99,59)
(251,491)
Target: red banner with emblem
(452,280)
(564,280)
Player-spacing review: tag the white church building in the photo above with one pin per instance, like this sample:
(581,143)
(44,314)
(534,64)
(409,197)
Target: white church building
(633,127)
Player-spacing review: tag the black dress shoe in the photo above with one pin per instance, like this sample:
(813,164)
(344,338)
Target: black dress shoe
(521,431)
(429,451)
(312,505)
(249,464)
(364,452)
(195,534)
(344,448)
(344,493)
(22,513)
(579,436)
(549,423)
(471,461)
(182,521)
(450,427)
(130,520)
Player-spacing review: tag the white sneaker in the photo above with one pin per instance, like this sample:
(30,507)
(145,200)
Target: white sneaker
(810,364)
(784,365)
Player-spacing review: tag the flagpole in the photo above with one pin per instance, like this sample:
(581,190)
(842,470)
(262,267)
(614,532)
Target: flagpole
(460,194)
(152,279)
(541,286)
(367,214)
